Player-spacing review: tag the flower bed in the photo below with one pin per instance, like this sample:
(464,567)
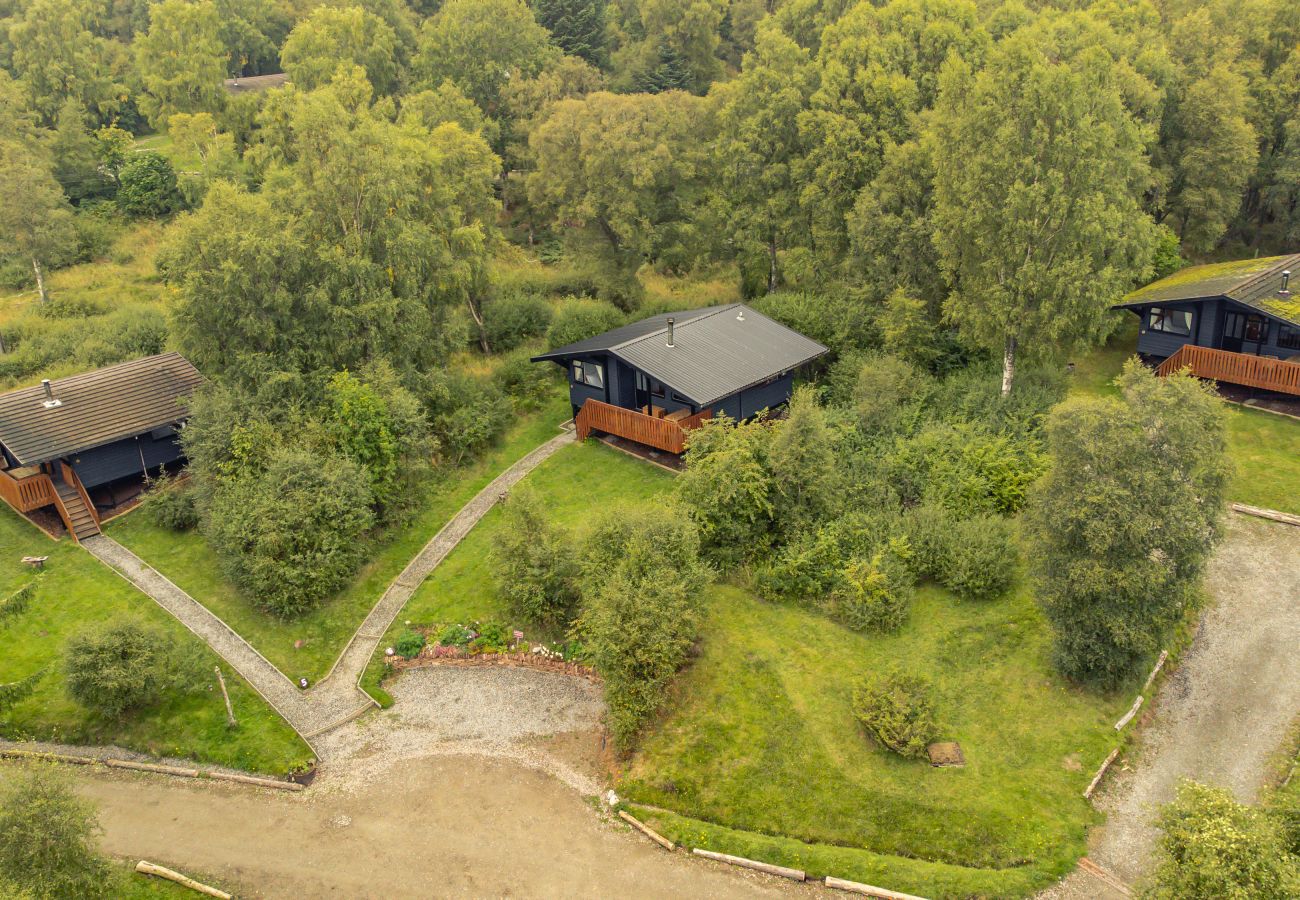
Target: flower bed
(482,644)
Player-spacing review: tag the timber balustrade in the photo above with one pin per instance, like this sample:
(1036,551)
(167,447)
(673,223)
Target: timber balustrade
(28,493)
(662,434)
(1235,368)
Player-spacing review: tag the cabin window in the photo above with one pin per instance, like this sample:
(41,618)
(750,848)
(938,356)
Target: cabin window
(1288,337)
(1170,321)
(1245,327)
(678,398)
(643,383)
(588,373)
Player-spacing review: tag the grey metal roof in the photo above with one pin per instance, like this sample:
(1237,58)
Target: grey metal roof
(1250,282)
(96,407)
(714,354)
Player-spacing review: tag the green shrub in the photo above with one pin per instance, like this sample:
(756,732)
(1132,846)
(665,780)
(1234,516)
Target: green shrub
(966,469)
(810,565)
(525,382)
(927,527)
(1284,807)
(18,601)
(148,186)
(116,667)
(534,563)
(69,306)
(466,414)
(981,557)
(897,710)
(409,644)
(493,637)
(727,488)
(872,595)
(578,320)
(455,636)
(885,386)
(1213,846)
(834,319)
(511,320)
(170,504)
(48,840)
(291,534)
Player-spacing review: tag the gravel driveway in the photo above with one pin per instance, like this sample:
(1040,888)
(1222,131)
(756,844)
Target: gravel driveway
(1226,709)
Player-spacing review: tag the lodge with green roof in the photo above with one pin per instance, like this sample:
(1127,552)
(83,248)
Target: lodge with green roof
(1236,321)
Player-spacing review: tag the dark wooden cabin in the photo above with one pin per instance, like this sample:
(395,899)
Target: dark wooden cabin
(70,443)
(654,380)
(1237,322)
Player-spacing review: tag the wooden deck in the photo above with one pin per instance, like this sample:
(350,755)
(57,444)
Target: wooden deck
(1262,372)
(28,492)
(31,492)
(662,434)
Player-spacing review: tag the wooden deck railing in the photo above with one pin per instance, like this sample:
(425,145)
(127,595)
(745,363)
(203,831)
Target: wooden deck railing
(70,476)
(1235,368)
(662,434)
(28,493)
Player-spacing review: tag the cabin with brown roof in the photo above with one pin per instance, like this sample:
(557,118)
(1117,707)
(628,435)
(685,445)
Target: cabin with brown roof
(83,443)
(1237,322)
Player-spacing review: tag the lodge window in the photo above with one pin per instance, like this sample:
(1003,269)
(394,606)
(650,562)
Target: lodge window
(1250,328)
(1170,321)
(588,373)
(678,398)
(654,388)
(1288,337)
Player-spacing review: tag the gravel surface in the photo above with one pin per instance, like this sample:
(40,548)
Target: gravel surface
(1223,712)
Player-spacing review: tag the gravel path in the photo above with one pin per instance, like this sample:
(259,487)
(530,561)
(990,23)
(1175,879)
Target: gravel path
(1225,710)
(335,699)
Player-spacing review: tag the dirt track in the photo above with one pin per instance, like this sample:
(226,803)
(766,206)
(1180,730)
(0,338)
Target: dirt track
(1226,709)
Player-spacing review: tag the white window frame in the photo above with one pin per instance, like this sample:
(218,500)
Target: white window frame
(589,373)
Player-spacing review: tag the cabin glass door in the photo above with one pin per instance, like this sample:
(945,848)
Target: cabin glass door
(1244,332)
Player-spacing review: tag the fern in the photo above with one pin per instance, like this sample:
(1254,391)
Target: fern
(17,601)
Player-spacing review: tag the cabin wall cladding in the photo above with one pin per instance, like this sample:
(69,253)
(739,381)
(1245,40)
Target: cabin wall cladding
(122,459)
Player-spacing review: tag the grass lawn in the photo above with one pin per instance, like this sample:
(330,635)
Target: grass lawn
(77,591)
(1264,447)
(307,646)
(575,483)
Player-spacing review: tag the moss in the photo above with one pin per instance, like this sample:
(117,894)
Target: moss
(1284,309)
(1218,277)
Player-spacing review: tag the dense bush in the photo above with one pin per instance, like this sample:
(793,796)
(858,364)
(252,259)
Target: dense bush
(833,319)
(170,504)
(409,644)
(455,636)
(907,329)
(525,382)
(117,667)
(290,535)
(1213,846)
(148,186)
(578,320)
(467,414)
(801,461)
(927,529)
(35,343)
(872,595)
(898,710)
(641,590)
(510,320)
(69,306)
(493,637)
(966,469)
(974,394)
(981,557)
(48,841)
(809,567)
(535,566)
(884,387)
(727,488)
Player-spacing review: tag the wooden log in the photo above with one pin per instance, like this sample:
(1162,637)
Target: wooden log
(856,887)
(152,767)
(1160,664)
(48,757)
(230,712)
(254,780)
(148,868)
(1271,514)
(1096,779)
(647,831)
(1128,716)
(1091,868)
(792,874)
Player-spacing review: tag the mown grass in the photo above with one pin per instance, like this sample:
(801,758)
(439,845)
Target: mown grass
(1264,447)
(576,485)
(306,647)
(76,592)
(762,739)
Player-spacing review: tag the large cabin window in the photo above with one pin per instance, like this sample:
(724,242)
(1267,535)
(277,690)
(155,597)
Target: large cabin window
(1288,337)
(591,373)
(1170,321)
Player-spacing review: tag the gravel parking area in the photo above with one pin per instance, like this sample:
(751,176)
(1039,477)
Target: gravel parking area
(1225,710)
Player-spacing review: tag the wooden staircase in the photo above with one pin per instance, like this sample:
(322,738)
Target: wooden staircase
(74,506)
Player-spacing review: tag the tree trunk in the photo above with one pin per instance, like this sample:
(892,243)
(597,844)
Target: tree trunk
(1008,365)
(40,279)
(477,315)
(771,264)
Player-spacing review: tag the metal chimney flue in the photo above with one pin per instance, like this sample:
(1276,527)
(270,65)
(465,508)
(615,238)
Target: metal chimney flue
(670,331)
(1286,281)
(740,314)
(50,400)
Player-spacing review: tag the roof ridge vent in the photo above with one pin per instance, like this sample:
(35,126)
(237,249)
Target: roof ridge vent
(51,401)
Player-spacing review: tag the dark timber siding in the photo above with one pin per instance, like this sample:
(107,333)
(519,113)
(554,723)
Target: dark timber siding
(1162,344)
(122,459)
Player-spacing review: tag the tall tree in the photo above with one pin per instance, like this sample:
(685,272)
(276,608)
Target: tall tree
(76,155)
(1038,169)
(577,26)
(758,145)
(35,221)
(481,45)
(1124,521)
(181,60)
(329,38)
(806,484)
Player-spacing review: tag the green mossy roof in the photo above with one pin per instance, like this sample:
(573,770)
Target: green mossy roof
(1255,283)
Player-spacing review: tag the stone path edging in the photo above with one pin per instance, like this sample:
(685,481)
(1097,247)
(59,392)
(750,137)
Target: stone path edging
(338,697)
